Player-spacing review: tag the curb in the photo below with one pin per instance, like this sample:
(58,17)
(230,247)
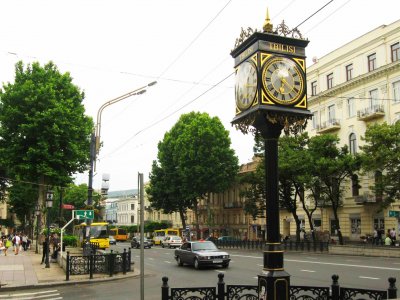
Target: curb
(70,282)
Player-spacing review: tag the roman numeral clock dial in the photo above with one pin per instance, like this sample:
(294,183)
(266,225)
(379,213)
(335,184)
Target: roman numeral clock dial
(246,85)
(283,80)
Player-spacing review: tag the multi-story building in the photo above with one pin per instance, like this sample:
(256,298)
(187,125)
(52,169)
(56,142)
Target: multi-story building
(353,86)
(122,211)
(223,213)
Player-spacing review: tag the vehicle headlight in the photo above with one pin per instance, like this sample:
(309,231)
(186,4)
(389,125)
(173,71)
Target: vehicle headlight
(225,256)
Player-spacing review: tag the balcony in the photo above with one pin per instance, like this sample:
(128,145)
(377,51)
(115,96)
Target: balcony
(371,113)
(365,198)
(328,126)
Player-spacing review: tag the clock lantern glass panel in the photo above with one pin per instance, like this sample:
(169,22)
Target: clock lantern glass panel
(283,80)
(246,85)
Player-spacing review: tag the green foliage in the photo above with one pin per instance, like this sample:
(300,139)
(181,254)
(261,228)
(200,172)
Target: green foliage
(70,240)
(22,199)
(194,159)
(44,131)
(381,152)
(332,165)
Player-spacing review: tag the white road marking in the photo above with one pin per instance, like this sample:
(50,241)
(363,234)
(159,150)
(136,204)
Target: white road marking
(365,277)
(219,271)
(310,271)
(150,258)
(260,265)
(166,261)
(325,263)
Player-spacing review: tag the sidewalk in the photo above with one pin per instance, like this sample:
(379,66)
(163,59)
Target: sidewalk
(24,270)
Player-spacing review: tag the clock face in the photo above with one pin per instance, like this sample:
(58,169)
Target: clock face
(283,80)
(246,85)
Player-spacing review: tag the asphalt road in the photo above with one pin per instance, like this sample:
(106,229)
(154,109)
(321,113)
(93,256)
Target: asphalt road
(304,269)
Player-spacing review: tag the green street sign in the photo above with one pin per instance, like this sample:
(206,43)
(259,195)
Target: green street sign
(84,214)
(394,213)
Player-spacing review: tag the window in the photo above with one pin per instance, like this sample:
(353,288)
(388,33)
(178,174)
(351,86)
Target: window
(353,143)
(334,227)
(355,225)
(132,219)
(331,114)
(350,107)
(355,185)
(313,88)
(329,80)
(349,72)
(371,62)
(315,120)
(395,51)
(379,224)
(132,206)
(396,91)
(373,98)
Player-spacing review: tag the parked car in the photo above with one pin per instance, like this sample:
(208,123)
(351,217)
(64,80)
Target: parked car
(211,239)
(227,238)
(172,241)
(135,242)
(201,253)
(112,240)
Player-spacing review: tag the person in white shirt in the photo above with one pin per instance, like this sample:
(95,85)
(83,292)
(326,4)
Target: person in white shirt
(17,243)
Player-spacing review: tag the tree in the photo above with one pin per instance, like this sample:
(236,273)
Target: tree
(195,156)
(253,192)
(381,154)
(292,168)
(45,135)
(21,195)
(332,165)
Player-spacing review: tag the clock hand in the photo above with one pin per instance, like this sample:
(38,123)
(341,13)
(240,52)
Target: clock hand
(284,82)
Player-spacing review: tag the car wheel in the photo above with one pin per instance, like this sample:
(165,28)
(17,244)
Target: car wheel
(225,265)
(137,246)
(178,260)
(162,245)
(196,264)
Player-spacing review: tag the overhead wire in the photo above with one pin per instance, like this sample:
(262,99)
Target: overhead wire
(167,116)
(194,40)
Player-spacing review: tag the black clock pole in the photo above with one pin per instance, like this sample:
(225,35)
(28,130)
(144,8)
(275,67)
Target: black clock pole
(278,102)
(273,281)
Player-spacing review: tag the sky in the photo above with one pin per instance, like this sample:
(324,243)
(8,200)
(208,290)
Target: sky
(112,47)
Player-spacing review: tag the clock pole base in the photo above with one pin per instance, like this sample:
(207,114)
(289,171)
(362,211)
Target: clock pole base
(273,285)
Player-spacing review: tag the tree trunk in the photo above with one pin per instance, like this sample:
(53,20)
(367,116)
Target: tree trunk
(183,218)
(339,231)
(297,220)
(196,218)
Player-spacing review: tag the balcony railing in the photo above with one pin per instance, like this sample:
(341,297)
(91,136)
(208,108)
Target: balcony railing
(365,198)
(331,125)
(371,113)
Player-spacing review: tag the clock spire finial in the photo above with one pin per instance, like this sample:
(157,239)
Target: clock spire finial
(267,27)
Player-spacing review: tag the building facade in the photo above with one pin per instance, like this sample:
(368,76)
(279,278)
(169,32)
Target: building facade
(350,88)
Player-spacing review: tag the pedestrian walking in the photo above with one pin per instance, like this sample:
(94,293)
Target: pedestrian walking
(24,242)
(45,245)
(17,243)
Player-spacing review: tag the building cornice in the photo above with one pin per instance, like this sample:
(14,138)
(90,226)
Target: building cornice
(357,81)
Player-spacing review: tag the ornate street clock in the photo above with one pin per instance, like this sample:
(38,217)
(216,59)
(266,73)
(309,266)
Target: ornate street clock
(271,76)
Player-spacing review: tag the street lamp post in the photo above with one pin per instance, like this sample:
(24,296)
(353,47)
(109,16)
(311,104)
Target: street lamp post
(49,204)
(37,213)
(95,142)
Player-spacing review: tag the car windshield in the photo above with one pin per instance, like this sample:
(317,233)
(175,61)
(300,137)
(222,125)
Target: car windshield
(203,246)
